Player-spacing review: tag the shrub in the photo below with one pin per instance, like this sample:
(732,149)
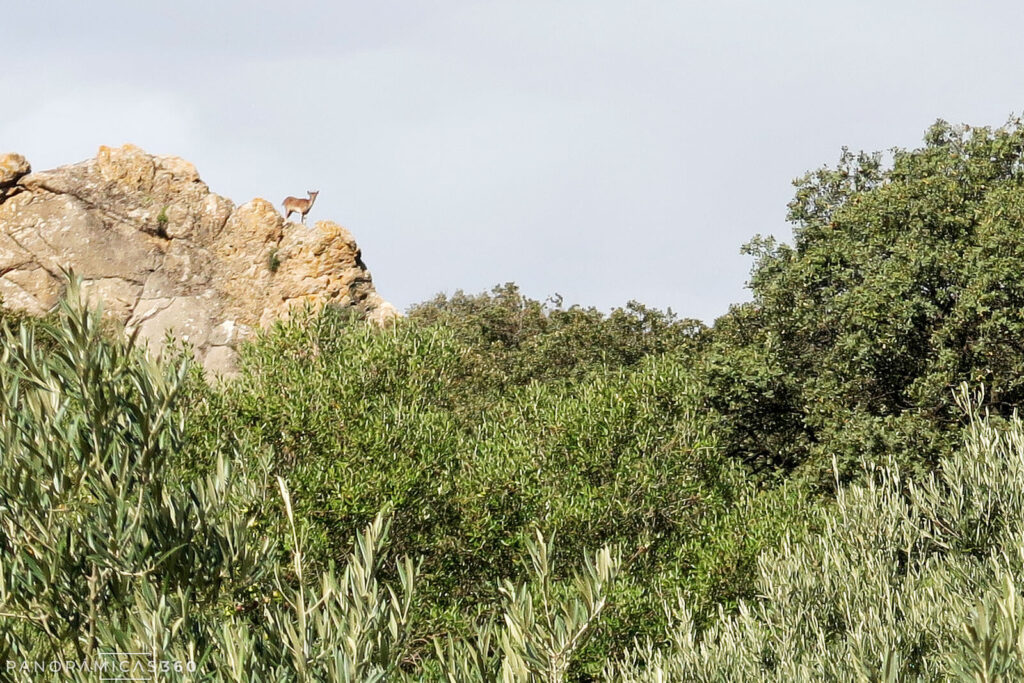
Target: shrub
(516,340)
(359,419)
(105,547)
(904,580)
(90,520)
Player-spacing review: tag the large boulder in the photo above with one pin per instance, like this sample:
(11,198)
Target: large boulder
(166,255)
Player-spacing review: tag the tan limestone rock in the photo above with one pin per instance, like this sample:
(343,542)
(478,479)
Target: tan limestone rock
(166,255)
(12,167)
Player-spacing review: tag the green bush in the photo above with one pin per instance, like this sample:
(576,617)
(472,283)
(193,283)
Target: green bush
(107,548)
(93,524)
(359,419)
(516,340)
(902,581)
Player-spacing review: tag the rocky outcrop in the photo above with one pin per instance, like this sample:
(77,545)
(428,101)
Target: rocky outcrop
(12,167)
(166,255)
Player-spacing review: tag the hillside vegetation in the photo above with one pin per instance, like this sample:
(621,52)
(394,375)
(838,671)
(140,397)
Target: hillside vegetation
(828,483)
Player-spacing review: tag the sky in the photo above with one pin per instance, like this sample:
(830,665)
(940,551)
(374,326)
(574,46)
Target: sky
(601,151)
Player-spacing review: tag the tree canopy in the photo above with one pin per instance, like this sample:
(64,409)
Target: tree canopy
(903,280)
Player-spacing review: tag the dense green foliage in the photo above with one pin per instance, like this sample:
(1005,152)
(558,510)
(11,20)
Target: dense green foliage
(515,340)
(415,418)
(904,581)
(548,493)
(902,282)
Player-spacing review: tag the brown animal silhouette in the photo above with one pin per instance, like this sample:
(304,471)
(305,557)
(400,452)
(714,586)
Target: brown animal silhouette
(302,206)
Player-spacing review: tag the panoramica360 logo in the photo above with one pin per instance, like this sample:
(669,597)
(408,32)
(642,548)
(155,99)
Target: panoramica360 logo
(107,666)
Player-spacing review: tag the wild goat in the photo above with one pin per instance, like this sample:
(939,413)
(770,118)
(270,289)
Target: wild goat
(302,206)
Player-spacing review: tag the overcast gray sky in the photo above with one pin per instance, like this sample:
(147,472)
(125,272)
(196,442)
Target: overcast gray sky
(605,151)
